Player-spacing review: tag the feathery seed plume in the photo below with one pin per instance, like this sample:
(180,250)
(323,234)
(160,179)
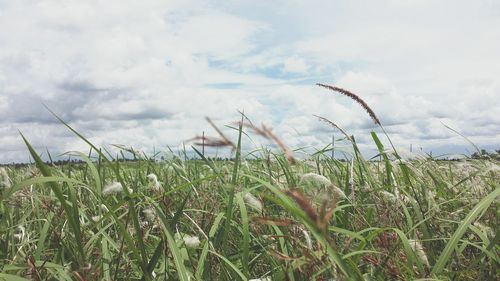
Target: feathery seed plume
(156,183)
(308,239)
(417,248)
(150,214)
(96,218)
(314,179)
(114,187)
(4,179)
(389,196)
(488,231)
(337,192)
(253,201)
(191,242)
(20,233)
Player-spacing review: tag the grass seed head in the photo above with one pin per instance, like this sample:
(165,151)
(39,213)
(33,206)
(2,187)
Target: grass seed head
(150,214)
(253,202)
(4,179)
(20,233)
(307,236)
(354,97)
(154,179)
(488,231)
(92,220)
(303,202)
(323,119)
(113,188)
(191,242)
(389,197)
(337,192)
(268,133)
(315,180)
(418,249)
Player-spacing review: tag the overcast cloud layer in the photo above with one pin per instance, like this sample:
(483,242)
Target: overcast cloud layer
(145,73)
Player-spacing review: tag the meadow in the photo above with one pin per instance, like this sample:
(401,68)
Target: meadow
(263,215)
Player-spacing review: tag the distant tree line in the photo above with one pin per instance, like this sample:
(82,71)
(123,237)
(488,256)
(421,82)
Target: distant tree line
(483,154)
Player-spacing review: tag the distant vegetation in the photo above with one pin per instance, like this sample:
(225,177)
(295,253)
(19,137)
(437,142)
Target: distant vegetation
(483,154)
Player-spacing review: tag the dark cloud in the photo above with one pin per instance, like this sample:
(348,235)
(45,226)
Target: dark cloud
(72,86)
(26,108)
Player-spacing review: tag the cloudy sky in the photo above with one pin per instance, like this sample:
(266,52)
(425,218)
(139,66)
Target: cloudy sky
(145,73)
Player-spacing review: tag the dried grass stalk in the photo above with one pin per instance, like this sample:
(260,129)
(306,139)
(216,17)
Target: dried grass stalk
(284,148)
(273,221)
(334,125)
(210,141)
(302,201)
(267,133)
(219,132)
(223,141)
(320,219)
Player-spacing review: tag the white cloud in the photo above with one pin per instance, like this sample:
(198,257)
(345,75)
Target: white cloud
(145,74)
(219,35)
(295,65)
(4,103)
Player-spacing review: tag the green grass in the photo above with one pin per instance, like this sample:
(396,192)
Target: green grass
(57,224)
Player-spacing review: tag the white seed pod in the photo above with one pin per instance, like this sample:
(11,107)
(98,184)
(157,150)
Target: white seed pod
(337,192)
(114,187)
(488,231)
(391,198)
(417,248)
(493,168)
(314,180)
(96,218)
(4,179)
(253,202)
(20,233)
(191,242)
(154,179)
(150,214)
(308,239)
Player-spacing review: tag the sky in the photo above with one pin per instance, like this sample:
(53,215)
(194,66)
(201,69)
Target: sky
(145,73)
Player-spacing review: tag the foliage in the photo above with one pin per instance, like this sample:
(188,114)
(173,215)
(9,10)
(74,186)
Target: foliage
(398,219)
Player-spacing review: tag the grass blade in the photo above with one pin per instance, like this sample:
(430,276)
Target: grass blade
(464,225)
(178,260)
(70,212)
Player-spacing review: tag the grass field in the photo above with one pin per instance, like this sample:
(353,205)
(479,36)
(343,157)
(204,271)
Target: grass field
(259,216)
(315,219)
